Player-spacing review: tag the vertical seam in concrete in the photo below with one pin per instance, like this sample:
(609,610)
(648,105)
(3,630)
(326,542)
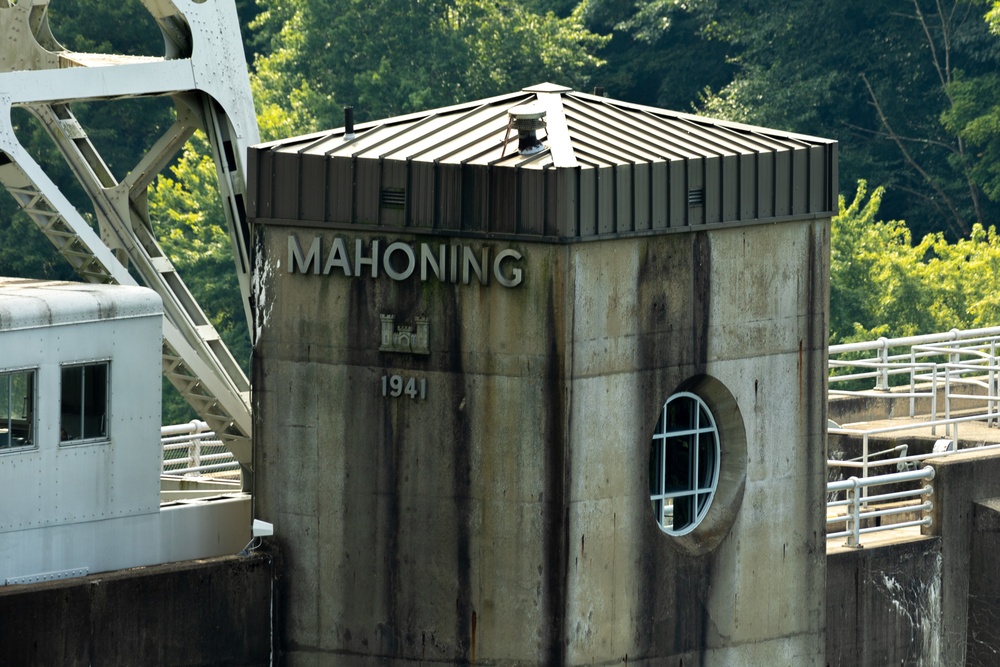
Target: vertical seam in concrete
(569,308)
(555,508)
(701,299)
(462,493)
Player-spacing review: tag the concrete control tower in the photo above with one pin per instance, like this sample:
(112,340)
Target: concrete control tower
(540,380)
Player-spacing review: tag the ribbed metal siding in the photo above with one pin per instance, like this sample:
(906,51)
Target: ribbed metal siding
(623,199)
(313,183)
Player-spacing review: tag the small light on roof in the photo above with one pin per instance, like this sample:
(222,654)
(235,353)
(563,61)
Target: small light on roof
(527,119)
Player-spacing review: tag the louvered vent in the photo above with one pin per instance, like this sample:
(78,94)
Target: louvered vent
(696,197)
(393,198)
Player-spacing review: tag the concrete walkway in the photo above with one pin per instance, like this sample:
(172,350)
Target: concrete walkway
(970,433)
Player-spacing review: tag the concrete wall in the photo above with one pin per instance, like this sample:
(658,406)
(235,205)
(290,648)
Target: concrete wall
(746,590)
(883,605)
(212,613)
(505,518)
(983,634)
(959,482)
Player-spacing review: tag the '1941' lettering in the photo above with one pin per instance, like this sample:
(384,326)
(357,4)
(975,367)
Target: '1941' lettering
(394,386)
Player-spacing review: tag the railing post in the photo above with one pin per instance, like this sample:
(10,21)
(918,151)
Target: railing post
(864,463)
(882,384)
(934,393)
(196,440)
(994,407)
(947,401)
(196,450)
(926,514)
(854,522)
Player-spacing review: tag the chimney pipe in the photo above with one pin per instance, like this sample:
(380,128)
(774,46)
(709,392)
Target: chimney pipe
(527,119)
(348,123)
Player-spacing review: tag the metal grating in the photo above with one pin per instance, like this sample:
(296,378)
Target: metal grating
(696,197)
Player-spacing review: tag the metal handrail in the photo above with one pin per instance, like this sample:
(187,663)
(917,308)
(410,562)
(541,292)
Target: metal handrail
(194,438)
(915,458)
(882,366)
(858,509)
(935,363)
(944,368)
(909,341)
(864,461)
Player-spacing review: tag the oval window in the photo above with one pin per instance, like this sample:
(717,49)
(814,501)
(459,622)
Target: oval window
(683,463)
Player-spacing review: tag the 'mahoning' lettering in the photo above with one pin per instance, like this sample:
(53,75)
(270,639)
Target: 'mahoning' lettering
(399,260)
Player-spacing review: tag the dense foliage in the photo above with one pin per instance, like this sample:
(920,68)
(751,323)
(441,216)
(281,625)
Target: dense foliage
(387,57)
(884,284)
(909,88)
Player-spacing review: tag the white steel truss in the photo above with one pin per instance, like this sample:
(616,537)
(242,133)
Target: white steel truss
(204,72)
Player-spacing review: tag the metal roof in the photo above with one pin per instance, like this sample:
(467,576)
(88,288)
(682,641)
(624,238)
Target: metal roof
(27,303)
(664,162)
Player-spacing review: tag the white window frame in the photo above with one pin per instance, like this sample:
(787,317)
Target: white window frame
(694,490)
(6,425)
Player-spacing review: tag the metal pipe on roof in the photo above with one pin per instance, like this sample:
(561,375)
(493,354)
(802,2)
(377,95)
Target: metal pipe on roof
(348,123)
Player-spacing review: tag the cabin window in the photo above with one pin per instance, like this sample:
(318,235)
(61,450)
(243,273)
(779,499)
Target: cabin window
(84,402)
(17,409)
(683,463)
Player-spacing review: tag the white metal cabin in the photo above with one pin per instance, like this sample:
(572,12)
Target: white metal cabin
(80,449)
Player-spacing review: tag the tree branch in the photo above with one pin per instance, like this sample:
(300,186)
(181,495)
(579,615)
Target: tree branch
(911,161)
(915,140)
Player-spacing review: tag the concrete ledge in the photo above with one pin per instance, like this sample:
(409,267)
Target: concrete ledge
(214,612)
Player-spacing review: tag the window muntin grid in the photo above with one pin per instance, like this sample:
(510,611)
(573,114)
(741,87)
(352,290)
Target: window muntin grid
(683,463)
(17,409)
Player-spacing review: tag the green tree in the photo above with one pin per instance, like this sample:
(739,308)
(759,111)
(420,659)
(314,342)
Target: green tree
(662,52)
(874,74)
(974,117)
(993,17)
(883,284)
(387,57)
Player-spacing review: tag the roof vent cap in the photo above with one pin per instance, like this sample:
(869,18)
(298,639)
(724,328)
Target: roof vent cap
(527,119)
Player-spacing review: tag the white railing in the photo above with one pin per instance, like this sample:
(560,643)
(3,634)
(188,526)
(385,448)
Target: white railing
(929,365)
(950,366)
(860,508)
(955,375)
(865,463)
(191,449)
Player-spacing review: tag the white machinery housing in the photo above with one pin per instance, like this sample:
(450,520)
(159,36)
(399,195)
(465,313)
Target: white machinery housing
(80,438)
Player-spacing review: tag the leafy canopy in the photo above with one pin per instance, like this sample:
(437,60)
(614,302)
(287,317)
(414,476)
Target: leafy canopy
(882,284)
(387,57)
